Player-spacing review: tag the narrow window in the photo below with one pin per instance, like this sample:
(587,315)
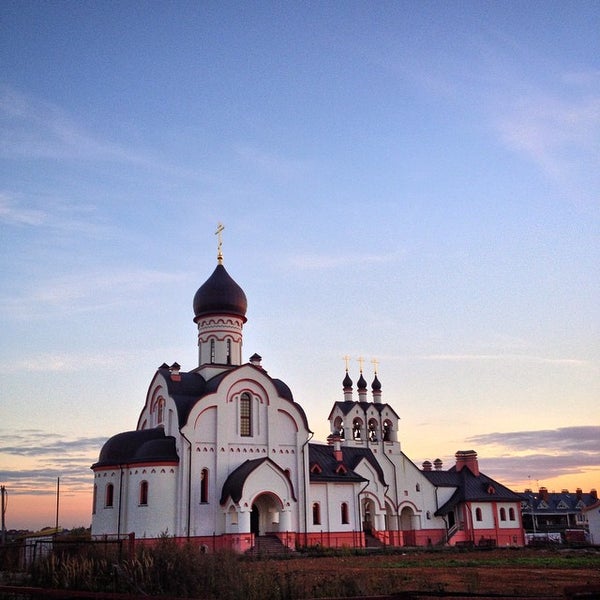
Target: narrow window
(144,493)
(94,498)
(110,492)
(345,519)
(212,351)
(245,415)
(511,514)
(204,486)
(228,352)
(372,430)
(160,412)
(316,510)
(503,514)
(387,428)
(356,429)
(478,515)
(418,487)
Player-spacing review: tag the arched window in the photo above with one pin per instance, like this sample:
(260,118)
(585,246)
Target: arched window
(109,497)
(387,430)
(94,499)
(316,510)
(204,486)
(143,493)
(228,351)
(338,427)
(160,410)
(357,428)
(511,514)
(503,514)
(478,515)
(246,415)
(372,430)
(418,487)
(344,510)
(212,351)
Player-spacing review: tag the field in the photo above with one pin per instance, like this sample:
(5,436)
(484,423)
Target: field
(523,572)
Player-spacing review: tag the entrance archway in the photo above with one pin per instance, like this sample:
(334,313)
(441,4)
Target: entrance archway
(368,512)
(265,514)
(407,525)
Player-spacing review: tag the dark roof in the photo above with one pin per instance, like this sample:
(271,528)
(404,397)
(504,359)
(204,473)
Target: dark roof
(144,445)
(322,455)
(220,294)
(470,488)
(558,503)
(190,387)
(234,484)
(347,405)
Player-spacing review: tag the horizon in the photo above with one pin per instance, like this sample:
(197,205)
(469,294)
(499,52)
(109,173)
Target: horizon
(416,183)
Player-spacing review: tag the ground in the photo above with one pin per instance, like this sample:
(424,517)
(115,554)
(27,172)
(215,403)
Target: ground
(523,572)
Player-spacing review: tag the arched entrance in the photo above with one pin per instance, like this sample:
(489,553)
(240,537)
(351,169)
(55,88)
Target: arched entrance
(265,514)
(407,525)
(368,512)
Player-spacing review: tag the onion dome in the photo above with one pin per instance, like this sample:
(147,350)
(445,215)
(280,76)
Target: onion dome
(361,384)
(376,385)
(347,383)
(220,294)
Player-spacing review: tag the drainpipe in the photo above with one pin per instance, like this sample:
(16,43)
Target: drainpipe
(306,475)
(189,486)
(120,501)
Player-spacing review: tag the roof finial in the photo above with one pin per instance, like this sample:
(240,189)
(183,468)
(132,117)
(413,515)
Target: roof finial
(375,362)
(360,360)
(346,359)
(218,232)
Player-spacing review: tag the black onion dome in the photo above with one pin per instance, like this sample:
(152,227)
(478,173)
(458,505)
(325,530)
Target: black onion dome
(361,384)
(347,383)
(220,294)
(376,385)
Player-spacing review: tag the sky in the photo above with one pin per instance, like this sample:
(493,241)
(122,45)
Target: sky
(412,182)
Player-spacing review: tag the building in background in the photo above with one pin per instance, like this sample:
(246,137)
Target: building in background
(223,455)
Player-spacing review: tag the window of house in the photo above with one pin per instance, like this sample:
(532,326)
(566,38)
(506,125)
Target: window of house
(344,510)
(478,515)
(245,415)
(372,430)
(511,514)
(94,498)
(357,429)
(503,514)
(316,511)
(109,497)
(228,352)
(143,493)
(212,351)
(338,427)
(418,487)
(204,486)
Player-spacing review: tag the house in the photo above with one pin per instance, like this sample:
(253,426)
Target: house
(592,519)
(223,455)
(556,516)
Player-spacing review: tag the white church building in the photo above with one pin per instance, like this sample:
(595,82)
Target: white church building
(223,455)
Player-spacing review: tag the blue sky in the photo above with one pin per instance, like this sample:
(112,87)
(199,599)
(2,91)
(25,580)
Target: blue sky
(416,182)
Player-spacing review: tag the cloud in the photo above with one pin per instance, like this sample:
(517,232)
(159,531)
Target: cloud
(273,164)
(75,293)
(540,454)
(54,456)
(326,261)
(581,439)
(504,357)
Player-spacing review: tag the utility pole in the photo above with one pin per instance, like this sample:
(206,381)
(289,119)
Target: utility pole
(4,502)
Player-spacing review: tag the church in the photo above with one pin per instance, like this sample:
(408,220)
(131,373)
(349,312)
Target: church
(223,455)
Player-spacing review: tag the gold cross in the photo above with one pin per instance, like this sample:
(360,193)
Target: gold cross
(375,362)
(346,359)
(220,242)
(360,360)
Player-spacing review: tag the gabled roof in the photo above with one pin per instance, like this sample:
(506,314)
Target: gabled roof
(469,488)
(190,387)
(347,406)
(322,455)
(558,502)
(234,484)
